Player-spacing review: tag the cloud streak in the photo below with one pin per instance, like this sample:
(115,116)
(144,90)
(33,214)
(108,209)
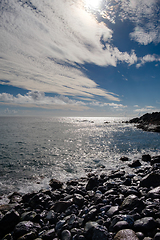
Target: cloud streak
(45,44)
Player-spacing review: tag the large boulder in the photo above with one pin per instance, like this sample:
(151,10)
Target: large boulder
(151,180)
(126,234)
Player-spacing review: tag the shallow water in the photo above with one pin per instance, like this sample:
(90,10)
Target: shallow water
(33,150)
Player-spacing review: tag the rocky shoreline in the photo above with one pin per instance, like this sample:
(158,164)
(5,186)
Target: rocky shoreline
(104,205)
(148,122)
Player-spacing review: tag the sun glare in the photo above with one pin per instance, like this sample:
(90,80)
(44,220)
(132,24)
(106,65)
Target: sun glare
(92,4)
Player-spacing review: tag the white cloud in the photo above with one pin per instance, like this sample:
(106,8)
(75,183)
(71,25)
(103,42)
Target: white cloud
(145,15)
(112,105)
(148,58)
(38,99)
(43,43)
(146,109)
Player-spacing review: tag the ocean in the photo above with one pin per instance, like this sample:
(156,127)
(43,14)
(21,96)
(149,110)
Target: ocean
(35,149)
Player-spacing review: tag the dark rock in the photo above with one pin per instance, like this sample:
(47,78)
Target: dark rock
(120,225)
(49,234)
(116,174)
(25,227)
(28,216)
(157,236)
(146,158)
(126,234)
(15,197)
(154,193)
(9,221)
(140,235)
(100,232)
(51,217)
(152,179)
(55,184)
(92,183)
(112,211)
(78,199)
(91,214)
(155,159)
(66,235)
(59,225)
(135,163)
(28,236)
(124,159)
(145,224)
(131,202)
(61,206)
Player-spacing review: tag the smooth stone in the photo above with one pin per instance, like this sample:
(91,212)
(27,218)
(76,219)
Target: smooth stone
(154,193)
(25,227)
(28,216)
(78,199)
(28,236)
(145,224)
(51,217)
(112,211)
(130,202)
(146,158)
(120,225)
(100,233)
(92,183)
(55,184)
(9,221)
(126,234)
(61,206)
(60,225)
(152,179)
(135,163)
(157,236)
(140,235)
(49,234)
(66,235)
(124,159)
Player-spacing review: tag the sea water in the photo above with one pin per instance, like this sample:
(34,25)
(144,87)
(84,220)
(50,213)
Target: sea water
(35,149)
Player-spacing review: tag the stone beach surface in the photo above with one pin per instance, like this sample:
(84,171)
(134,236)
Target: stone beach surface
(104,205)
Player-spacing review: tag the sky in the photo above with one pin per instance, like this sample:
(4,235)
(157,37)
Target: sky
(79,57)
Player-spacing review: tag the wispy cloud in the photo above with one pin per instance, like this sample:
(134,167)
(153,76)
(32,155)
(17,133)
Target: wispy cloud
(146,109)
(145,15)
(38,99)
(148,58)
(112,105)
(44,45)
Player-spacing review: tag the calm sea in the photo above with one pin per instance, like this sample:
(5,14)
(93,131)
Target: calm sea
(34,149)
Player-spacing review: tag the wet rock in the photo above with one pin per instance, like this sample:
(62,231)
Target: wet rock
(145,224)
(140,235)
(51,217)
(49,234)
(61,206)
(25,227)
(112,211)
(146,158)
(155,159)
(28,216)
(126,234)
(157,236)
(120,225)
(124,159)
(66,235)
(15,197)
(92,183)
(131,202)
(152,179)
(28,236)
(135,163)
(9,221)
(154,193)
(59,225)
(55,184)
(78,199)
(100,232)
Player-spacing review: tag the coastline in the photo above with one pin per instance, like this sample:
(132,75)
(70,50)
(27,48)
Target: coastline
(102,205)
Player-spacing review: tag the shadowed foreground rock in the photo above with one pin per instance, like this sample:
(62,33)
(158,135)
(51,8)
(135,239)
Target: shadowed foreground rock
(105,205)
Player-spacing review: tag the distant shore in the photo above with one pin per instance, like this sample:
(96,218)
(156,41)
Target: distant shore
(148,122)
(103,205)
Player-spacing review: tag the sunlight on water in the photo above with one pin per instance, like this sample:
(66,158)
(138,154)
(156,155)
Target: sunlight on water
(33,150)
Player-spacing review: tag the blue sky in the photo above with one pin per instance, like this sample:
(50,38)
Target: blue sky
(79,57)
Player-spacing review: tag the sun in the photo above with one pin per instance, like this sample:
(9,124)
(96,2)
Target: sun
(92,4)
